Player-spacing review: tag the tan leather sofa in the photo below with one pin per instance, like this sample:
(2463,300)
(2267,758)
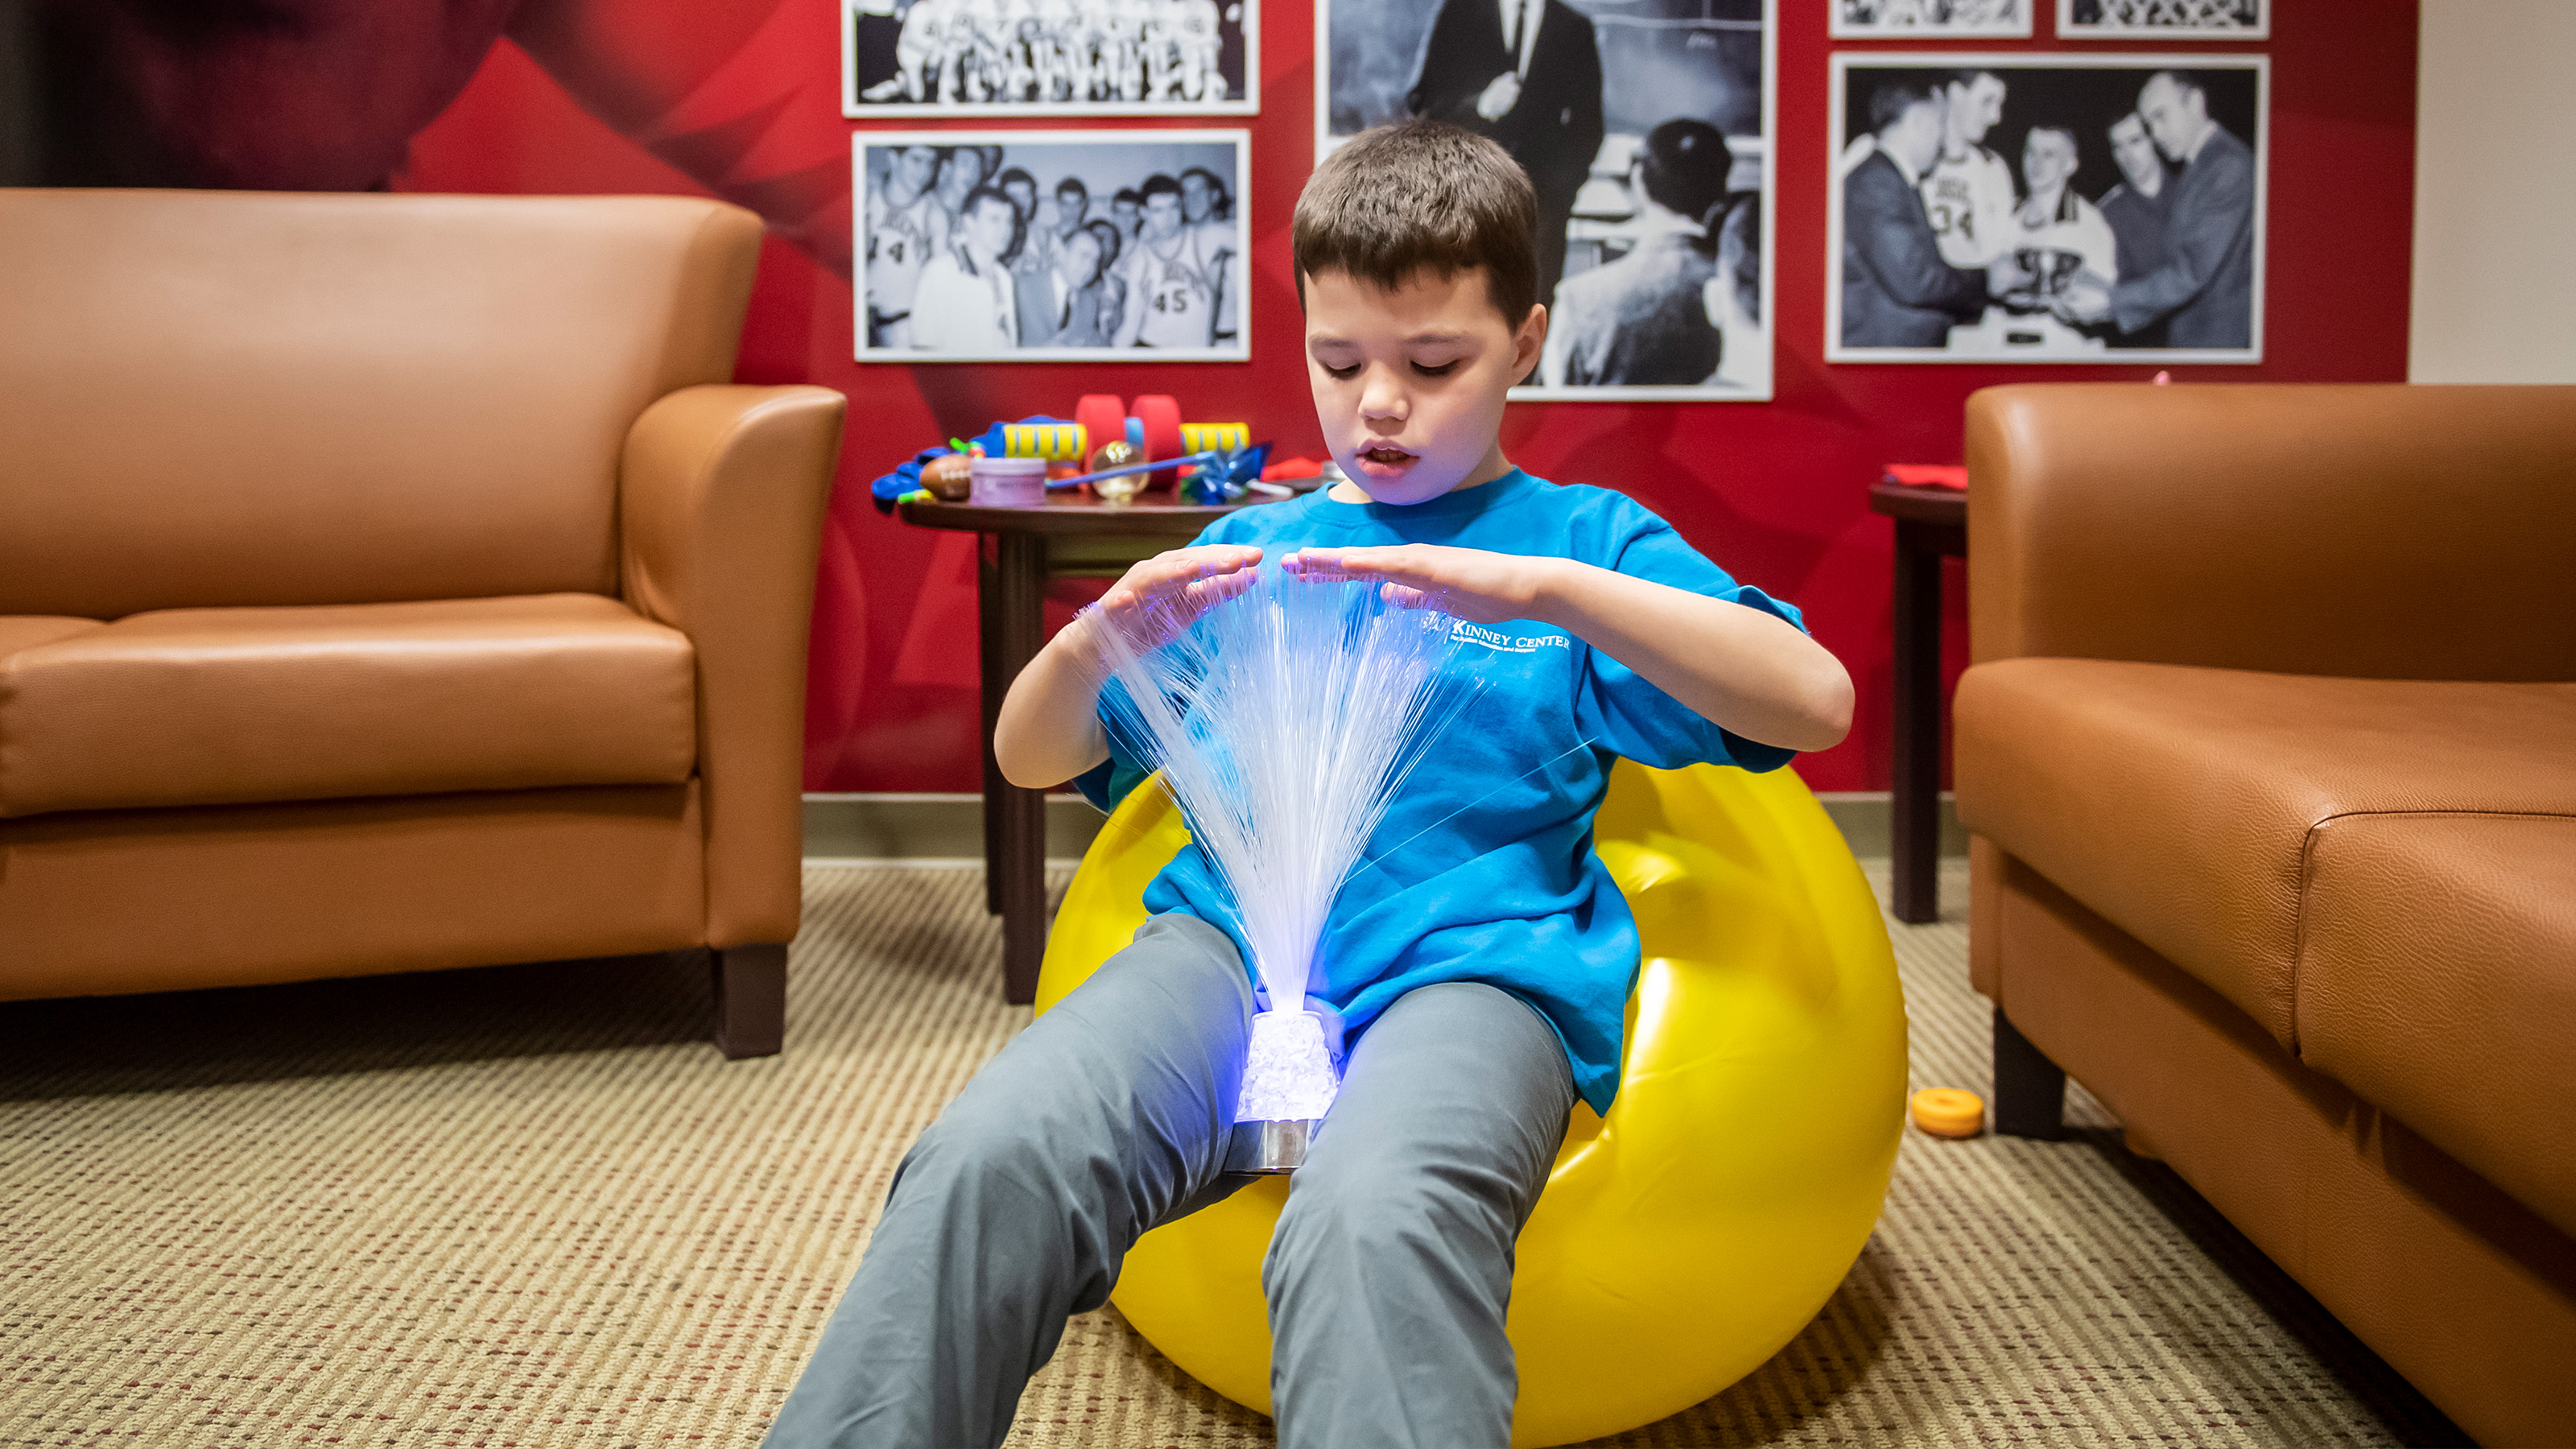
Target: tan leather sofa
(395,582)
(2269,756)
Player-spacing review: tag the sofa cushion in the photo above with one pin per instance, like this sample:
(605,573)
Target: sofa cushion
(26,631)
(2437,978)
(228,706)
(2179,802)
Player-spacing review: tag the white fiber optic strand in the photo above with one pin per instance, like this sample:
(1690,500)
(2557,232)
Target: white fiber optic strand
(1283,720)
(1583,743)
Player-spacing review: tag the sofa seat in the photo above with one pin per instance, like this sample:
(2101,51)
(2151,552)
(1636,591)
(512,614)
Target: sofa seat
(185,707)
(26,631)
(2437,979)
(2185,804)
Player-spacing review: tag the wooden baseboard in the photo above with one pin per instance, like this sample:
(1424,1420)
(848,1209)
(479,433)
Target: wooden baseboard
(951,827)
(1867,821)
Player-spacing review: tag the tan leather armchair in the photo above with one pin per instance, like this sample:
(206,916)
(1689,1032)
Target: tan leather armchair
(391,583)
(2269,758)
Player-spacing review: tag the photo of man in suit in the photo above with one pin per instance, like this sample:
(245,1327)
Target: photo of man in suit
(1643,320)
(2204,291)
(1528,74)
(1897,289)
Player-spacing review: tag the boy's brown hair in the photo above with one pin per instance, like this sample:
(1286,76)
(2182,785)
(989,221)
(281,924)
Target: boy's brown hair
(1422,195)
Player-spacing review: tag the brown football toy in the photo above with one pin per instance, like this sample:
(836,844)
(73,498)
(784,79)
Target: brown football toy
(949,479)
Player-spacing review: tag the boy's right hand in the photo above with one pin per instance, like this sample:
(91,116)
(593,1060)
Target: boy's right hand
(1049,727)
(1157,599)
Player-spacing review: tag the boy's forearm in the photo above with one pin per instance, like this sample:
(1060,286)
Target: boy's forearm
(1049,728)
(1742,669)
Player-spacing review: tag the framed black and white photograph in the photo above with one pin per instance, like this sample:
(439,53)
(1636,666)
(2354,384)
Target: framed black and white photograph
(1040,246)
(1645,126)
(1930,19)
(2164,19)
(2032,207)
(1050,57)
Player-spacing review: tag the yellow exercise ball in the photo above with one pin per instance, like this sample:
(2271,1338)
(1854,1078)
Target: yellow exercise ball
(1690,1234)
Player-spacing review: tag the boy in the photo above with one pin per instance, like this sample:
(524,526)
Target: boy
(1481,965)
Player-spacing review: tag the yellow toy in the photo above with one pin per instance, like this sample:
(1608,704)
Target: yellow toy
(1217,437)
(1055,442)
(1688,1236)
(1949,1112)
(1071,442)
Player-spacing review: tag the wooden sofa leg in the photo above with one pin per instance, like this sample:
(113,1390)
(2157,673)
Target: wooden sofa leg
(2030,1090)
(751,1000)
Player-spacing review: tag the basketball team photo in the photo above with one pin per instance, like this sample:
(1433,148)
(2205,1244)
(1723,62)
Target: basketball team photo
(1036,246)
(1050,57)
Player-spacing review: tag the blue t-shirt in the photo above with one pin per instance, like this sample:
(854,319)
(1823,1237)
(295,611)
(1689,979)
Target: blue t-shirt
(1483,868)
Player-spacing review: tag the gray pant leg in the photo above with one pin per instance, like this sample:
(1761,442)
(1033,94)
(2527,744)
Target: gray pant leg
(1111,1113)
(1392,1265)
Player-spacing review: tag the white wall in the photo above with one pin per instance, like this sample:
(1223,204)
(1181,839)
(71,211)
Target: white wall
(2495,193)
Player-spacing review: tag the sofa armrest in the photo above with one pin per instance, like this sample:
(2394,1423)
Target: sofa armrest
(2381,531)
(721,497)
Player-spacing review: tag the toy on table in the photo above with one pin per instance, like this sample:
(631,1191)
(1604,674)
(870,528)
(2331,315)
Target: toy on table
(1154,424)
(950,479)
(1210,462)
(1112,478)
(1008,482)
(1055,442)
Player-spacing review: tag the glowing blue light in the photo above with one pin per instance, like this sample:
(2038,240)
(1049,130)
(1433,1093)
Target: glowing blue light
(1288,1073)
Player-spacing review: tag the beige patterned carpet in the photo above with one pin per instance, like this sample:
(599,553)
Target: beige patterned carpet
(529,1207)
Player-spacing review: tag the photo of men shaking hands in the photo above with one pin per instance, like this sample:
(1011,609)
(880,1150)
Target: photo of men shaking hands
(2047,208)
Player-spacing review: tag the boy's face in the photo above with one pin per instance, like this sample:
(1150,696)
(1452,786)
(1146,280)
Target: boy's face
(1410,381)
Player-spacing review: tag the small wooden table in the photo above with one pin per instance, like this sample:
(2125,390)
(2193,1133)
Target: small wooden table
(1931,523)
(1074,535)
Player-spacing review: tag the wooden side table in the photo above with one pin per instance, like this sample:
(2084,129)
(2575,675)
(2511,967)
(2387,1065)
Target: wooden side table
(1071,536)
(1931,523)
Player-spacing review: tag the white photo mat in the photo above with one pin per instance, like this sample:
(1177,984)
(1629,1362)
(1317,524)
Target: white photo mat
(1247,22)
(1874,20)
(2179,28)
(1750,350)
(1048,156)
(2004,63)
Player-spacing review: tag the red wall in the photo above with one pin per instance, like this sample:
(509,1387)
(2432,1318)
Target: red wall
(1773,491)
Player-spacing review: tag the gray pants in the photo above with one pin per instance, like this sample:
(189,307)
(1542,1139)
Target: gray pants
(1388,1275)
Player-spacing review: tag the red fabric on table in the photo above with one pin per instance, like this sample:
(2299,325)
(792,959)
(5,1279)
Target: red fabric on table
(1928,475)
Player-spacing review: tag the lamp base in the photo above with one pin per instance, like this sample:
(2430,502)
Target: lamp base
(1283,1145)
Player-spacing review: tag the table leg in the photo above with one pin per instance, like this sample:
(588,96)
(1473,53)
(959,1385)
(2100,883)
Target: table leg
(1016,849)
(992,684)
(1916,768)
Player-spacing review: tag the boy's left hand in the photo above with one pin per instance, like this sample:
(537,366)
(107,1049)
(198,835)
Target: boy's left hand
(1471,583)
